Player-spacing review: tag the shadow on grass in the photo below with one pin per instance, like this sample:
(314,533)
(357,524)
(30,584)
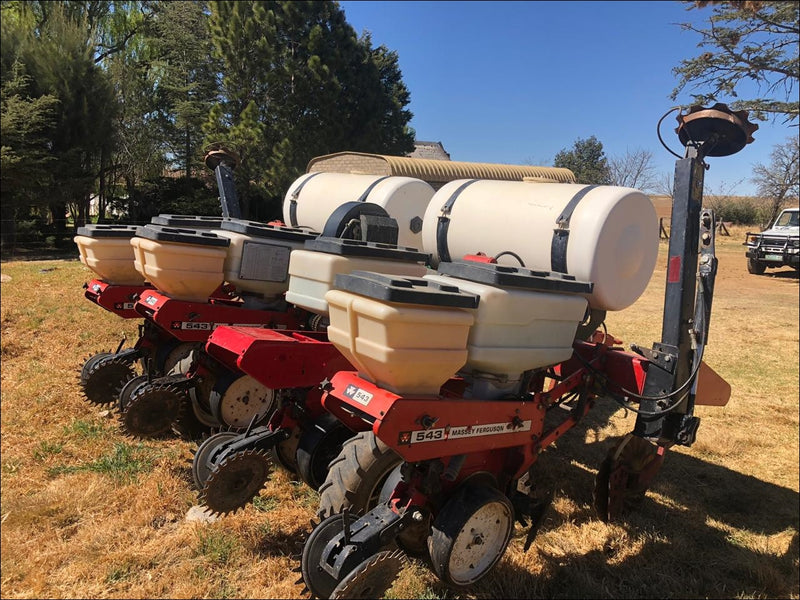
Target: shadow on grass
(696,529)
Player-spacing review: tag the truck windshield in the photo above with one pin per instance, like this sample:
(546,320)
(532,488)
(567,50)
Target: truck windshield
(789,219)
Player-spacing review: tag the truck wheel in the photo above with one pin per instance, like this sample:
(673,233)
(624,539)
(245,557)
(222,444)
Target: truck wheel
(756,267)
(356,477)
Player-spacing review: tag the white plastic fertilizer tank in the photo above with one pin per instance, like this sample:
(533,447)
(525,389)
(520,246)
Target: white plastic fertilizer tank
(606,235)
(313,197)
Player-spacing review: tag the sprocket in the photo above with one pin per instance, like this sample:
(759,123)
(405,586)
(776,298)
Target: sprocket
(235,481)
(152,409)
(373,577)
(102,375)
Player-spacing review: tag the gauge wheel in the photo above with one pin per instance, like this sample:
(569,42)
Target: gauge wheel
(356,476)
(285,453)
(470,534)
(201,462)
(187,425)
(237,399)
(319,444)
(198,395)
(318,581)
(179,360)
(104,376)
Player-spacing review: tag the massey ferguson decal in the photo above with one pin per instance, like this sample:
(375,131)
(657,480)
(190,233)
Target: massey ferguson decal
(207,326)
(123,305)
(464,431)
(356,393)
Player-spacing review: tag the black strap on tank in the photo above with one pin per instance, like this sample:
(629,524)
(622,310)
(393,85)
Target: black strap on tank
(558,246)
(293,199)
(363,197)
(444,222)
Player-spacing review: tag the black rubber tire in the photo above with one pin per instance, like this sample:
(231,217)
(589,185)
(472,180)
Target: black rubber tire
(103,378)
(200,468)
(317,580)
(755,266)
(356,476)
(90,362)
(125,393)
(450,526)
(319,444)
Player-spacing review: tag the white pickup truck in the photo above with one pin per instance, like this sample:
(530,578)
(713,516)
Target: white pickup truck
(777,246)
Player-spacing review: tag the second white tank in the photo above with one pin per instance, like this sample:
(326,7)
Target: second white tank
(605,235)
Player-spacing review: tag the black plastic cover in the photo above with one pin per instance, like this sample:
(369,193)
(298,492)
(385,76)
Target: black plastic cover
(187,221)
(102,230)
(262,230)
(517,277)
(343,247)
(162,233)
(409,290)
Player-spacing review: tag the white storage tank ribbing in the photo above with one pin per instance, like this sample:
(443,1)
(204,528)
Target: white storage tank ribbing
(313,197)
(605,235)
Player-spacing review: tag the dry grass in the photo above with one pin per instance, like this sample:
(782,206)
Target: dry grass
(88,513)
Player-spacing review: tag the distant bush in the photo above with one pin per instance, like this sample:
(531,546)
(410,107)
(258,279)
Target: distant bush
(740,210)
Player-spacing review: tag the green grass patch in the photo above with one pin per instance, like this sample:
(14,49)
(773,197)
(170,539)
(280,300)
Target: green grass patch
(46,449)
(265,503)
(85,430)
(123,464)
(216,546)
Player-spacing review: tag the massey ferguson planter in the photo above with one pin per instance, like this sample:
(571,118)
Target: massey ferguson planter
(468,374)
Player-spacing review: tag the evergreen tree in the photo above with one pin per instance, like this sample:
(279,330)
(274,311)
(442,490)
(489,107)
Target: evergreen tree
(587,160)
(297,82)
(186,78)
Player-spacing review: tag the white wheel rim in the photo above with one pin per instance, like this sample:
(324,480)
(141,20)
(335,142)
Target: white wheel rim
(245,398)
(480,543)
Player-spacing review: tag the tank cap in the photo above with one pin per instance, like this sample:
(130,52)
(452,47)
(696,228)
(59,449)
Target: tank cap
(187,220)
(407,290)
(263,230)
(516,277)
(362,249)
(103,230)
(163,233)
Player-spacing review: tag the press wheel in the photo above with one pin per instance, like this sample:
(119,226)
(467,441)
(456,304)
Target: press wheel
(202,460)
(316,579)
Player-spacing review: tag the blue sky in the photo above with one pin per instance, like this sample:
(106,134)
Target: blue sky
(515,82)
